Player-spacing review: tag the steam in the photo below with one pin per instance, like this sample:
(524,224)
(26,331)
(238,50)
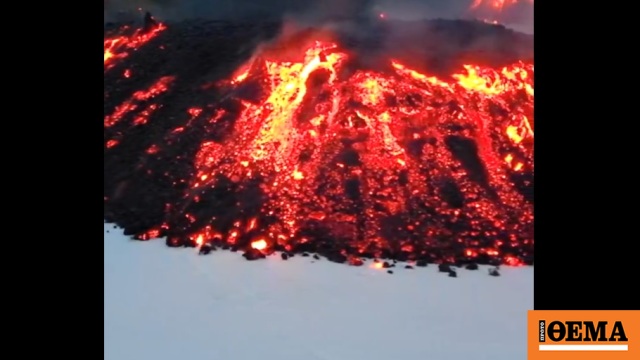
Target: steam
(519,16)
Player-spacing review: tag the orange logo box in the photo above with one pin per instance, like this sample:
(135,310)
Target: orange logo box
(583,335)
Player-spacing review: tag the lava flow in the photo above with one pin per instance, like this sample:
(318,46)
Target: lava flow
(307,153)
(119,46)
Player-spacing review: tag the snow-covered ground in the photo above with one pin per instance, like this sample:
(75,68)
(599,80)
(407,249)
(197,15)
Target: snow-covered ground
(171,304)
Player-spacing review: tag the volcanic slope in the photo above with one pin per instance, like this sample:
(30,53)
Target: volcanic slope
(411,142)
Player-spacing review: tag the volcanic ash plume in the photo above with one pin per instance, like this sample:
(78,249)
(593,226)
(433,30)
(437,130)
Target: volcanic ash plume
(301,149)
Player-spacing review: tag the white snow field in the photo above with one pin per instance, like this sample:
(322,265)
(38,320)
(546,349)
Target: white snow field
(172,304)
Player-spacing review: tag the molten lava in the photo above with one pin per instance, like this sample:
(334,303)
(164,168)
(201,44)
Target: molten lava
(259,244)
(353,163)
(159,87)
(120,46)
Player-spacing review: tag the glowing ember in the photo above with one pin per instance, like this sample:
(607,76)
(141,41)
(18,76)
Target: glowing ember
(153,149)
(151,234)
(144,115)
(111,143)
(394,163)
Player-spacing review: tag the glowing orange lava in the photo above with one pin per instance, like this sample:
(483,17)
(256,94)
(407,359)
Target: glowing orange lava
(259,245)
(157,88)
(118,47)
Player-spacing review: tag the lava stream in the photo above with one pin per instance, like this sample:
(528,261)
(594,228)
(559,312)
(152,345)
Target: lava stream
(391,163)
(118,47)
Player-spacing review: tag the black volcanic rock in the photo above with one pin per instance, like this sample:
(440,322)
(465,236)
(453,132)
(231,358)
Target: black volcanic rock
(336,257)
(444,268)
(421,263)
(205,249)
(149,22)
(472,266)
(253,254)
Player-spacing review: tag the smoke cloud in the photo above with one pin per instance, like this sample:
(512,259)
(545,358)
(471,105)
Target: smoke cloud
(519,16)
(239,9)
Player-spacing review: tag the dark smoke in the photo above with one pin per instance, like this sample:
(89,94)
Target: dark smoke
(519,17)
(239,9)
